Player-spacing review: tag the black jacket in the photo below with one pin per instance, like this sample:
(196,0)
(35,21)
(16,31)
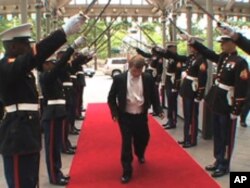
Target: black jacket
(117,97)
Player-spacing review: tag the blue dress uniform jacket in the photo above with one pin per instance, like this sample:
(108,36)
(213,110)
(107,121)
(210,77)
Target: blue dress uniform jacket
(52,87)
(20,130)
(195,66)
(232,74)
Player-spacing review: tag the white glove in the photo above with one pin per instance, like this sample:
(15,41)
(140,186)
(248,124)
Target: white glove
(226,29)
(74,23)
(174,90)
(233,117)
(197,100)
(85,51)
(78,42)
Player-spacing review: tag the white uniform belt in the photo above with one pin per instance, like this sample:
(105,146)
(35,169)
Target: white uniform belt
(56,101)
(169,74)
(21,107)
(67,84)
(73,76)
(79,72)
(223,86)
(191,78)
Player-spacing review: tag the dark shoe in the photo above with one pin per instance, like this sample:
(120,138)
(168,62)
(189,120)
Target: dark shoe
(170,127)
(181,142)
(80,118)
(66,177)
(74,132)
(219,172)
(243,124)
(73,147)
(188,145)
(211,167)
(61,182)
(76,129)
(141,160)
(69,152)
(125,178)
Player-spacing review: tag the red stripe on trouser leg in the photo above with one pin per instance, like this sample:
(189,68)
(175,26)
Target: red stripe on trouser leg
(16,171)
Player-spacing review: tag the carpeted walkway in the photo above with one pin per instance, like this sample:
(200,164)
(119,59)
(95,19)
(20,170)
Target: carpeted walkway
(96,163)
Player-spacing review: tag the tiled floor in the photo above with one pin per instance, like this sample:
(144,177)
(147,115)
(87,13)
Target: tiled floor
(203,153)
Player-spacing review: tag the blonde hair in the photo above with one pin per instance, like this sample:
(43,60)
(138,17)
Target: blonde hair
(137,61)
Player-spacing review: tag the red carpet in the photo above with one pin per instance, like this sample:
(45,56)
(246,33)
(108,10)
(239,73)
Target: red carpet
(96,163)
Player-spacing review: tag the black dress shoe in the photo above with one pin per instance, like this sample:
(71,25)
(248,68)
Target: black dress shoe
(67,177)
(73,147)
(219,172)
(141,160)
(170,127)
(211,167)
(181,141)
(69,152)
(126,178)
(243,124)
(80,118)
(74,132)
(76,129)
(61,182)
(188,145)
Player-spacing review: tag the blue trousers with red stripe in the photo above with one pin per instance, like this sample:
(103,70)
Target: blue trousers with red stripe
(191,114)
(224,135)
(53,147)
(22,171)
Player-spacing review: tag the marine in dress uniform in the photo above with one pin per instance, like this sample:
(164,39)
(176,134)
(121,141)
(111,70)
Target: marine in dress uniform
(53,115)
(80,80)
(225,98)
(243,43)
(171,76)
(20,134)
(192,91)
(68,90)
(55,112)
(130,96)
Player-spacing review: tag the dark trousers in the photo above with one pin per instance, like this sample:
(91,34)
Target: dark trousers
(22,171)
(66,144)
(79,93)
(191,114)
(1,110)
(224,136)
(172,106)
(53,147)
(134,129)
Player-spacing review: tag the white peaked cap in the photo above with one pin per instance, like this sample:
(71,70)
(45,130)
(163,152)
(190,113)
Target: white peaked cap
(20,31)
(223,38)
